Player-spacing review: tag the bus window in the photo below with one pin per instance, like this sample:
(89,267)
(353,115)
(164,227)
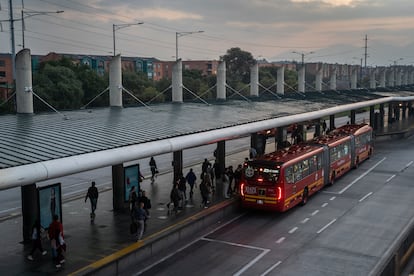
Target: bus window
(305,168)
(313,164)
(289,175)
(297,172)
(346,149)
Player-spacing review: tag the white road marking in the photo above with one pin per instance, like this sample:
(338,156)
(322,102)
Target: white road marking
(293,230)
(280,240)
(367,195)
(332,198)
(315,212)
(324,205)
(326,226)
(271,268)
(327,192)
(186,246)
(406,166)
(391,177)
(305,220)
(361,176)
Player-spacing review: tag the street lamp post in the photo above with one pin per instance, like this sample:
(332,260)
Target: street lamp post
(180,34)
(27,14)
(116,27)
(303,56)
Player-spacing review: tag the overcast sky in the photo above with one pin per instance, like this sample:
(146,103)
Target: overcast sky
(324,30)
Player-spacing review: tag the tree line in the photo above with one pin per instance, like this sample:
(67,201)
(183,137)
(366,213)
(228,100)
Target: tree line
(66,85)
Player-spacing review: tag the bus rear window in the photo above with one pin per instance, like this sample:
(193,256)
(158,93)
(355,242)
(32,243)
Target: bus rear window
(261,174)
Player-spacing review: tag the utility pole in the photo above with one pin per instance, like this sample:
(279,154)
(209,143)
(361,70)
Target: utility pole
(13,47)
(366,51)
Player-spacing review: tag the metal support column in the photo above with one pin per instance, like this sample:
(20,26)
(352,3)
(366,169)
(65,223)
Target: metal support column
(118,198)
(29,210)
(331,122)
(177,164)
(353,115)
(372,116)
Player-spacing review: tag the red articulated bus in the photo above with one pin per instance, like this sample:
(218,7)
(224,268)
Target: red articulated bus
(283,179)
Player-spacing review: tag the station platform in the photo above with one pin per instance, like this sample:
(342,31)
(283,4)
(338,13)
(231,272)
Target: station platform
(93,243)
(87,242)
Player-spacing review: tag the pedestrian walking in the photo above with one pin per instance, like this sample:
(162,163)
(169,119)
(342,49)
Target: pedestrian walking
(225,183)
(205,190)
(230,174)
(174,198)
(133,198)
(55,233)
(191,179)
(147,203)
(154,169)
(205,165)
(324,126)
(36,240)
(237,177)
(93,195)
(140,216)
(183,189)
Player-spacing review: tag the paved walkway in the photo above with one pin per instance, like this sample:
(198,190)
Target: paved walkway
(86,242)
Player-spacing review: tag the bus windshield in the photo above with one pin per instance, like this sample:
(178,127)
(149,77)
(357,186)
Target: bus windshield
(262,172)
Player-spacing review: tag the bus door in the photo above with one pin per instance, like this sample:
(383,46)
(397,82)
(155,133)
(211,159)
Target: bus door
(326,164)
(353,150)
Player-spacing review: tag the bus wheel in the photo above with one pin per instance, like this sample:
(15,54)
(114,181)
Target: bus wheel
(305,197)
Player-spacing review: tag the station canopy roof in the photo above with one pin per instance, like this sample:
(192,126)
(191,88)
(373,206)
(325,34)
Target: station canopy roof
(27,139)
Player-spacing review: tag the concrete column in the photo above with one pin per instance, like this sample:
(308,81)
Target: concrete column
(221,81)
(177,164)
(390,78)
(281,80)
(118,194)
(332,81)
(411,78)
(318,79)
(398,79)
(177,82)
(254,80)
(372,80)
(354,78)
(301,79)
(332,122)
(29,208)
(405,78)
(383,77)
(353,116)
(24,92)
(280,137)
(115,82)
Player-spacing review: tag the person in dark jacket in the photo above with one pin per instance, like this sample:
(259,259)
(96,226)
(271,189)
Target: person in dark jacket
(191,179)
(93,195)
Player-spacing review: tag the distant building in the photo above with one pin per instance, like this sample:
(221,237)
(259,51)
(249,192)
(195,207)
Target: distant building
(6,76)
(163,69)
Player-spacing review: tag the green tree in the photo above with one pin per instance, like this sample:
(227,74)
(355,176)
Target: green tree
(58,86)
(238,63)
